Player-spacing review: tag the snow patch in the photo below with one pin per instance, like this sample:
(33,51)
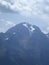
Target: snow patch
(6,38)
(25,25)
(31,28)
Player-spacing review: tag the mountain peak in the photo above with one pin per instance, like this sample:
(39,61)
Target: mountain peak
(28,26)
(23,27)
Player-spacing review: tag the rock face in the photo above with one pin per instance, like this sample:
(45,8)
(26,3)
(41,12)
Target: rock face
(24,44)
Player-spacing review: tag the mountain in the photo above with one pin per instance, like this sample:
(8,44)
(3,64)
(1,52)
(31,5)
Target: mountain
(25,44)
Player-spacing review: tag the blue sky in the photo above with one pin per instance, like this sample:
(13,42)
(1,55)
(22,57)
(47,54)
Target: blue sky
(35,12)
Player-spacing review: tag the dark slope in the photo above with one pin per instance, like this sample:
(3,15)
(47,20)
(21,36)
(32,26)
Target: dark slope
(26,45)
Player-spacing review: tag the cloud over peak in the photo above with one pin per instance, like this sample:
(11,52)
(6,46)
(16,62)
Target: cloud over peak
(28,7)
(23,5)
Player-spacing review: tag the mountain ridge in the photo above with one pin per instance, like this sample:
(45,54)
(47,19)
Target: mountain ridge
(25,44)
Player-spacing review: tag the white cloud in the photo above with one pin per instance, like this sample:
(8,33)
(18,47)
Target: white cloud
(5,3)
(45,32)
(1,29)
(45,17)
(48,28)
(47,8)
(29,7)
(10,24)
(5,25)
